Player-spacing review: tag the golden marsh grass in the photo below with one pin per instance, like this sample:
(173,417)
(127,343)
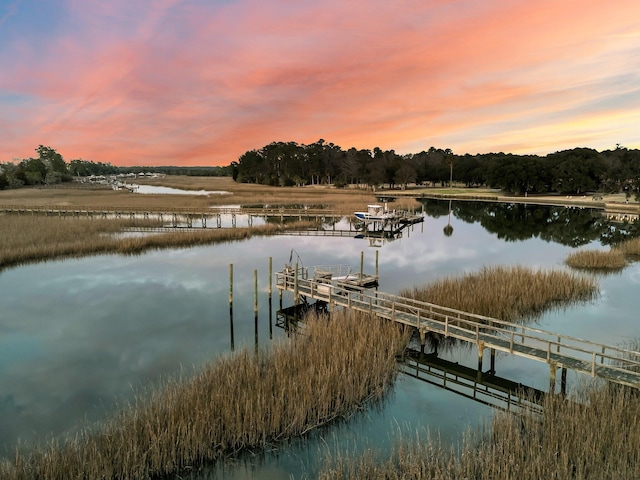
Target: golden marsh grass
(27,238)
(630,247)
(36,238)
(240,401)
(597,259)
(342,200)
(571,440)
(507,293)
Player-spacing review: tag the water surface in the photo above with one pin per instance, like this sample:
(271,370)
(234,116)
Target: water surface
(80,337)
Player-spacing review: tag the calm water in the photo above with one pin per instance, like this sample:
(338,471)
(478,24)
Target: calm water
(78,337)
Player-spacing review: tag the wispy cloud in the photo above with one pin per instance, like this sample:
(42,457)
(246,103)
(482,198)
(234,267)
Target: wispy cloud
(194,82)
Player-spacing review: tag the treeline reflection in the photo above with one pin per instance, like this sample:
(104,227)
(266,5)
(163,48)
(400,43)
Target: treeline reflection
(512,222)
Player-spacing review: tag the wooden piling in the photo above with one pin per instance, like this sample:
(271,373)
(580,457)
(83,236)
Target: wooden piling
(255,291)
(552,377)
(492,368)
(231,306)
(377,276)
(255,309)
(231,284)
(270,288)
(480,354)
(296,294)
(361,265)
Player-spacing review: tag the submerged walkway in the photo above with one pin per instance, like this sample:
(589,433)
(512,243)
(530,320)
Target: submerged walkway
(607,362)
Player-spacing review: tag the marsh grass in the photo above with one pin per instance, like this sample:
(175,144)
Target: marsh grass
(344,201)
(630,247)
(30,238)
(597,438)
(26,238)
(612,260)
(240,401)
(507,293)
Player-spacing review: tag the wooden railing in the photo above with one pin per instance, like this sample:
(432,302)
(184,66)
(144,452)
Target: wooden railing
(268,212)
(596,359)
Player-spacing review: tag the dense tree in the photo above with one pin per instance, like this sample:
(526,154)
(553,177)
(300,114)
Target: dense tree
(575,171)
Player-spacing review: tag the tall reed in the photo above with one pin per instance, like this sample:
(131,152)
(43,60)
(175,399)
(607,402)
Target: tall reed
(612,260)
(598,438)
(26,239)
(240,401)
(630,246)
(507,293)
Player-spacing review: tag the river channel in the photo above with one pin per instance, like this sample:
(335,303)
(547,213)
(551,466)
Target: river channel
(80,337)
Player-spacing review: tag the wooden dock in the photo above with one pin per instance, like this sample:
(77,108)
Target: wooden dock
(175,217)
(483,387)
(559,351)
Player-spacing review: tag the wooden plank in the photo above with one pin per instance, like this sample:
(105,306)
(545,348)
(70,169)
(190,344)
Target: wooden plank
(585,356)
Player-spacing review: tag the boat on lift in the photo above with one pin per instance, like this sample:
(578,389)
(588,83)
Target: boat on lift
(376,213)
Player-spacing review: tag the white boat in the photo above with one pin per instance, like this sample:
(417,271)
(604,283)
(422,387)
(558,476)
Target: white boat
(376,213)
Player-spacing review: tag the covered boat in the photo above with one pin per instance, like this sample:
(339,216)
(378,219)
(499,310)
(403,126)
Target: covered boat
(376,213)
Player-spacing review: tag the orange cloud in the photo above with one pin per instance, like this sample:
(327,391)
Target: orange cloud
(194,83)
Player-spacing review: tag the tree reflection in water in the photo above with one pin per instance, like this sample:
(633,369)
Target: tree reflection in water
(569,226)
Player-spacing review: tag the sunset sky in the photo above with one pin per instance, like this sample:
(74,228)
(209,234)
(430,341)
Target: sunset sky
(200,82)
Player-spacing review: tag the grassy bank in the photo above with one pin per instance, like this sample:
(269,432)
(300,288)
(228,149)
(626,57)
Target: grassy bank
(240,401)
(345,201)
(606,260)
(507,293)
(630,247)
(27,238)
(610,260)
(601,441)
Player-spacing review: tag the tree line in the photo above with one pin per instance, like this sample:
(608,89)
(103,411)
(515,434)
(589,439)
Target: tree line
(49,167)
(574,171)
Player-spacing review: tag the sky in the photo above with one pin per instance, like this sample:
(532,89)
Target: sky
(200,82)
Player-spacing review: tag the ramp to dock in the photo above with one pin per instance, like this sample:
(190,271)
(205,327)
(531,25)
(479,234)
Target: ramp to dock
(613,364)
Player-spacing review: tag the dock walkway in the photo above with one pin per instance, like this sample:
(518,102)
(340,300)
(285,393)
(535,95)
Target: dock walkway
(610,363)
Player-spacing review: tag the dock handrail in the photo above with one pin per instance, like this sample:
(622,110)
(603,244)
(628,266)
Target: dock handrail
(591,357)
(179,210)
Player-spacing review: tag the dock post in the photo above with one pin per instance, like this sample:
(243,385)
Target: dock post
(231,284)
(377,276)
(423,340)
(255,308)
(361,265)
(231,305)
(563,381)
(552,377)
(492,369)
(480,353)
(296,300)
(270,289)
(255,292)
(270,319)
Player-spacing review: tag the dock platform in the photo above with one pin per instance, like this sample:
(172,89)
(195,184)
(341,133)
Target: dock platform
(610,363)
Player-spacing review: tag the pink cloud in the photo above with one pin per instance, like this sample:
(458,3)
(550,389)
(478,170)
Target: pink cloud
(200,83)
